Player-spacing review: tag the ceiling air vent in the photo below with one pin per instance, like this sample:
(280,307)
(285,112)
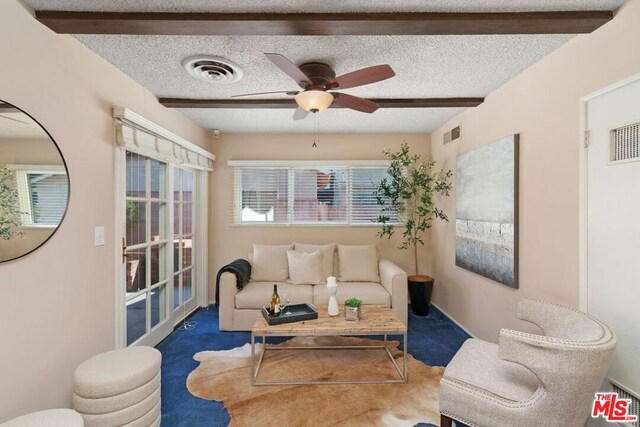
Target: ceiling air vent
(452,135)
(213,69)
(625,143)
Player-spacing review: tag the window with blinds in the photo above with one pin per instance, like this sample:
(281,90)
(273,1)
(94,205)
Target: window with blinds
(306,194)
(43,195)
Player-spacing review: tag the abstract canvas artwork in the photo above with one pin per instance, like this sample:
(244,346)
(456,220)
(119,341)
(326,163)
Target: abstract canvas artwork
(487,211)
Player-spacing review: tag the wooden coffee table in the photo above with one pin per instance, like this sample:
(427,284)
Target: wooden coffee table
(375,320)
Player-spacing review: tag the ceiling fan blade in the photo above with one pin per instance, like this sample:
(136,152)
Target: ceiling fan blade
(361,77)
(354,102)
(288,92)
(289,68)
(300,114)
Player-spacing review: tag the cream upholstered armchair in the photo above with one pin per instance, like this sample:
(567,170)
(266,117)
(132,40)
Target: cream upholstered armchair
(527,379)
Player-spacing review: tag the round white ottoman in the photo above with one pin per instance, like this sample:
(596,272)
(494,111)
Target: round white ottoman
(118,402)
(49,418)
(119,388)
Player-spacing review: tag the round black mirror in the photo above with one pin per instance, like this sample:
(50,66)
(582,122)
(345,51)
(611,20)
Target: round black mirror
(34,184)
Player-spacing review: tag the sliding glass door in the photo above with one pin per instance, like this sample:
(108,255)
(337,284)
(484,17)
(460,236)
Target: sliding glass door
(184,272)
(158,248)
(145,248)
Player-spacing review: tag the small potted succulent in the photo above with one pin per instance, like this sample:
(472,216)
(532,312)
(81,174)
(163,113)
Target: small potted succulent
(352,309)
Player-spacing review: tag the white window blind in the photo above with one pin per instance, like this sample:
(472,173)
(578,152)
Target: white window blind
(364,205)
(139,135)
(42,193)
(306,193)
(261,195)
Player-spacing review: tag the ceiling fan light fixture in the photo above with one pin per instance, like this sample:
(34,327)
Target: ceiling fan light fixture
(314,100)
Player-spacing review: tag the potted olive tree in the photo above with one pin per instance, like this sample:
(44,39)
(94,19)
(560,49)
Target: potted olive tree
(407,198)
(10,215)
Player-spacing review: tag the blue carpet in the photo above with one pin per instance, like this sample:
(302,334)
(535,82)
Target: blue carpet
(433,339)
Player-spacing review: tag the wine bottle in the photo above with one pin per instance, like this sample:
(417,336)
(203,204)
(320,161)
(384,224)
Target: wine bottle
(274,305)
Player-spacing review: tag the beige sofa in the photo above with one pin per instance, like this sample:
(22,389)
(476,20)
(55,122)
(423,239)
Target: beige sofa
(240,308)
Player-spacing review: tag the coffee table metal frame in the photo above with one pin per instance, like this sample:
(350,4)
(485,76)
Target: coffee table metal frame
(256,362)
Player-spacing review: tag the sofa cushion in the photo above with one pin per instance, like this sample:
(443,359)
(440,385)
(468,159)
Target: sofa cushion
(270,263)
(256,295)
(369,292)
(327,255)
(477,364)
(305,268)
(358,263)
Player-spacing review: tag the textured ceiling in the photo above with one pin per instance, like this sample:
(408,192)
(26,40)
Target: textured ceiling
(411,120)
(18,126)
(425,66)
(325,6)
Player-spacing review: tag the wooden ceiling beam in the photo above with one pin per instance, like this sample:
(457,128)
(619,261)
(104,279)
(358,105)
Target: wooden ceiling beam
(290,103)
(324,24)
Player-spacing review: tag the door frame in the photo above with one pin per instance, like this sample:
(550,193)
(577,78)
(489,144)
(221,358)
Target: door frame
(200,239)
(583,190)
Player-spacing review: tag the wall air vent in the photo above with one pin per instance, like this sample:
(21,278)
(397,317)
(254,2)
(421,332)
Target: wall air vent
(452,135)
(634,408)
(212,69)
(625,143)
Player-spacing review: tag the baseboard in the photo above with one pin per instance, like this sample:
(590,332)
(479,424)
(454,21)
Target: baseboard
(454,320)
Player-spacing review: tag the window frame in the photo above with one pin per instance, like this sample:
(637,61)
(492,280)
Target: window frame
(24,193)
(291,167)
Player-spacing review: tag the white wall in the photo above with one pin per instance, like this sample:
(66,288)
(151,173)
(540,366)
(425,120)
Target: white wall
(542,105)
(57,304)
(229,242)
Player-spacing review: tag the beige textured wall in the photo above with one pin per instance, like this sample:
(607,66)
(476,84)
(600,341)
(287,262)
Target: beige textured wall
(229,243)
(57,304)
(542,105)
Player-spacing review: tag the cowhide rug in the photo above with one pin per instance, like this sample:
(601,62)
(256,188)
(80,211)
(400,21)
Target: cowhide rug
(226,376)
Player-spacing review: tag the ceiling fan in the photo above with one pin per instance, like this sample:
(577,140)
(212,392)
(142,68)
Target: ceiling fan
(317,79)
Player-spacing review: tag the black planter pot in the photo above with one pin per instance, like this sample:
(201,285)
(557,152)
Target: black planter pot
(420,289)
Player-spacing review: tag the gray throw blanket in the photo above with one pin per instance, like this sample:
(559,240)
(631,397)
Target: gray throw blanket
(241,268)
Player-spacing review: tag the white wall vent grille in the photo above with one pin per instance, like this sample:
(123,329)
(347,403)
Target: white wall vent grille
(452,135)
(634,408)
(212,69)
(625,143)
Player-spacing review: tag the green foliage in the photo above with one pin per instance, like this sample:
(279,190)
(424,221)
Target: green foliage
(132,212)
(353,302)
(10,215)
(410,192)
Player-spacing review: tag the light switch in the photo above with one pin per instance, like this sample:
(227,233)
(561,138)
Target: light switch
(98,236)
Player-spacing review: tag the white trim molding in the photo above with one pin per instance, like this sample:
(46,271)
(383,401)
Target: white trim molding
(130,117)
(139,135)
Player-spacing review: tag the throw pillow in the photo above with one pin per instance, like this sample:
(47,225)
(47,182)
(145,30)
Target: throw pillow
(327,255)
(305,268)
(269,263)
(358,263)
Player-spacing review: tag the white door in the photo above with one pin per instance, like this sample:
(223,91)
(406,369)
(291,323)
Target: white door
(613,260)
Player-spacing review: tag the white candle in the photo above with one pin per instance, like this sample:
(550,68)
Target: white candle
(331,281)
